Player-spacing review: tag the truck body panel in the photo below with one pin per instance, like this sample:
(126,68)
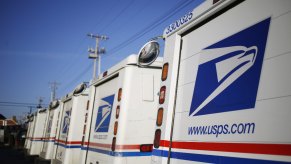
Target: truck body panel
(228,87)
(38,127)
(132,114)
(69,137)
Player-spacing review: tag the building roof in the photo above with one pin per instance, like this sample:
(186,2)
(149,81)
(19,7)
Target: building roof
(8,122)
(2,117)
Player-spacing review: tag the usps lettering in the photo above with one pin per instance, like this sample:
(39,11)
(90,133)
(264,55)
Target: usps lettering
(104,114)
(229,72)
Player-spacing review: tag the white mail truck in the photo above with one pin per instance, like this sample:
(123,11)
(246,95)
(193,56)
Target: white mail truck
(120,123)
(68,142)
(30,127)
(225,93)
(50,131)
(36,138)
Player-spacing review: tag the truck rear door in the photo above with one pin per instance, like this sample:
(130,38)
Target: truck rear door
(101,132)
(64,129)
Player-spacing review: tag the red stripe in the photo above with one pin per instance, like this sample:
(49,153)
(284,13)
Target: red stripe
(119,147)
(256,148)
(48,138)
(61,141)
(69,142)
(37,138)
(100,145)
(74,142)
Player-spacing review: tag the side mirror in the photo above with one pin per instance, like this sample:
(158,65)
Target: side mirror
(80,88)
(54,104)
(148,53)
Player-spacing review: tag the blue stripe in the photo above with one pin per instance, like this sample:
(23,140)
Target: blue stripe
(68,146)
(212,158)
(120,154)
(84,147)
(36,140)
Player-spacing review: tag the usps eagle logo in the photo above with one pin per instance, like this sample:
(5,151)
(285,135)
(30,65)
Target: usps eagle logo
(104,114)
(229,72)
(49,124)
(66,122)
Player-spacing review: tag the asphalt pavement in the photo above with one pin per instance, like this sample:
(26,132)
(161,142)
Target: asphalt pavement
(10,155)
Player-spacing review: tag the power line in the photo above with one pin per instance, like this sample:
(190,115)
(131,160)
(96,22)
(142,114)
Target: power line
(168,14)
(11,105)
(136,14)
(40,101)
(16,103)
(150,27)
(117,16)
(79,76)
(84,38)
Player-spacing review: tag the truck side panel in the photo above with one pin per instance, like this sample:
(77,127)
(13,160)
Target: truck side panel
(233,89)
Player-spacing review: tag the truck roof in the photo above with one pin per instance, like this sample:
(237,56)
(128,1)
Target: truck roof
(130,60)
(70,95)
(195,14)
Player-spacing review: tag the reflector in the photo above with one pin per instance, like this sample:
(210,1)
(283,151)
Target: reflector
(117,111)
(165,71)
(113,144)
(162,94)
(148,53)
(160,117)
(115,127)
(119,94)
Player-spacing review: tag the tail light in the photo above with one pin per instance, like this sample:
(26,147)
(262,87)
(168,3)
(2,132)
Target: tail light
(157,138)
(117,111)
(146,148)
(160,117)
(165,71)
(113,144)
(119,94)
(162,94)
(115,127)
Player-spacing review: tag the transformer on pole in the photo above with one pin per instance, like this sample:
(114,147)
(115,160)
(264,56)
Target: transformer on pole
(96,54)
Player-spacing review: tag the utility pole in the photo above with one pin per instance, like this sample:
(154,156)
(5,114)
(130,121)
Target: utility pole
(54,87)
(94,54)
(30,109)
(40,100)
